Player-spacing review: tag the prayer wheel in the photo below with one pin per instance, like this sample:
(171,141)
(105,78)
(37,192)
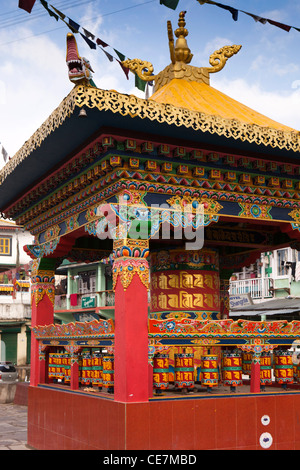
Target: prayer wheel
(185,281)
(86,369)
(296,366)
(66,360)
(266,369)
(51,366)
(232,369)
(56,368)
(283,367)
(209,370)
(246,362)
(184,370)
(108,371)
(295,372)
(161,371)
(97,369)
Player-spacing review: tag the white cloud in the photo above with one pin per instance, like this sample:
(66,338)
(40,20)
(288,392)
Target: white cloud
(281,107)
(33,82)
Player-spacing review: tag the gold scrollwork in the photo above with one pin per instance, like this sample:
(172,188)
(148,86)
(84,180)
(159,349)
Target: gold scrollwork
(126,268)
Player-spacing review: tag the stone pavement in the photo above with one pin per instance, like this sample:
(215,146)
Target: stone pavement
(13,427)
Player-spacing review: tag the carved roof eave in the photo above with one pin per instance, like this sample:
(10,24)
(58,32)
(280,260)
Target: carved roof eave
(134,107)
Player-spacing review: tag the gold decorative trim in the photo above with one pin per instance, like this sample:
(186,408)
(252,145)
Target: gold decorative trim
(130,105)
(181,56)
(126,268)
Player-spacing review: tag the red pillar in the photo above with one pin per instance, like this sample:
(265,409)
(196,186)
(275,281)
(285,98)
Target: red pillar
(42,313)
(131,281)
(74,381)
(255,374)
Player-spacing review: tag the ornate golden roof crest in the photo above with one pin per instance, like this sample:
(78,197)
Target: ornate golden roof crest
(181,56)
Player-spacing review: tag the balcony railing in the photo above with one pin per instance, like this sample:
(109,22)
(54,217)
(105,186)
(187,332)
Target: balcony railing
(257,288)
(104,298)
(107,298)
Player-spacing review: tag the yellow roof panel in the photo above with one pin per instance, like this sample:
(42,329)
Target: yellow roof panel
(201,97)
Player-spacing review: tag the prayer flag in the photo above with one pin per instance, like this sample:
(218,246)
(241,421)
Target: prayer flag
(256,18)
(139,83)
(125,69)
(233,11)
(169,3)
(108,55)
(120,55)
(280,25)
(88,34)
(51,13)
(89,42)
(26,5)
(4,153)
(101,43)
(73,26)
(58,12)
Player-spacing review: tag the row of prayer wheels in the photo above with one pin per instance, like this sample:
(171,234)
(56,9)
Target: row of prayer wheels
(285,372)
(184,371)
(233,365)
(95,369)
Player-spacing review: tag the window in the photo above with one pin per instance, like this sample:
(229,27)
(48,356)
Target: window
(282,256)
(87,282)
(5,246)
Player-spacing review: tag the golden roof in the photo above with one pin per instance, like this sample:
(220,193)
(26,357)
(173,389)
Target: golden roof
(206,99)
(185,86)
(182,97)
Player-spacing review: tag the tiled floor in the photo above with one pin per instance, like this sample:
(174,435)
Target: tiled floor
(13,427)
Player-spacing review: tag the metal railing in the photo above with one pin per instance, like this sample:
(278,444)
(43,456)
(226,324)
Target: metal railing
(257,288)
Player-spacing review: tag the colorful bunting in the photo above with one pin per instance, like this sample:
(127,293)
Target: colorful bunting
(92,41)
(234,13)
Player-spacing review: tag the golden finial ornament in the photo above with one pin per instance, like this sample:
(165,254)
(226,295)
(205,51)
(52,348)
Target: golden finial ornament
(181,52)
(181,56)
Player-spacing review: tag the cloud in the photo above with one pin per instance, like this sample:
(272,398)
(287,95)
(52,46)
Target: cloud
(33,82)
(281,107)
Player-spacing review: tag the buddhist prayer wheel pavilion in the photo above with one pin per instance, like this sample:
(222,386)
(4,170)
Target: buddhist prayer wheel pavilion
(176,191)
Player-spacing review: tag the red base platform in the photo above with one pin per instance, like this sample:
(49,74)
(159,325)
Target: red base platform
(65,420)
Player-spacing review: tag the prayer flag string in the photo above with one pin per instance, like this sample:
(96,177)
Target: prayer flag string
(89,38)
(234,13)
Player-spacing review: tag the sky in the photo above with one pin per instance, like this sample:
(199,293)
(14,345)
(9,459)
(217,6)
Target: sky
(264,75)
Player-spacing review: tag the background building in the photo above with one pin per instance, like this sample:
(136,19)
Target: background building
(15,309)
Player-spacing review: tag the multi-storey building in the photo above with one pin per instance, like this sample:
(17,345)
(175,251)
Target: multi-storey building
(15,310)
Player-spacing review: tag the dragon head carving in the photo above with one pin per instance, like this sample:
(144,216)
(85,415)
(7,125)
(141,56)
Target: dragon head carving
(79,67)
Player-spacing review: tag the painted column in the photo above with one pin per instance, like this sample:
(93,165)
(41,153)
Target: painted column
(100,286)
(131,283)
(255,373)
(74,380)
(43,365)
(69,289)
(42,310)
